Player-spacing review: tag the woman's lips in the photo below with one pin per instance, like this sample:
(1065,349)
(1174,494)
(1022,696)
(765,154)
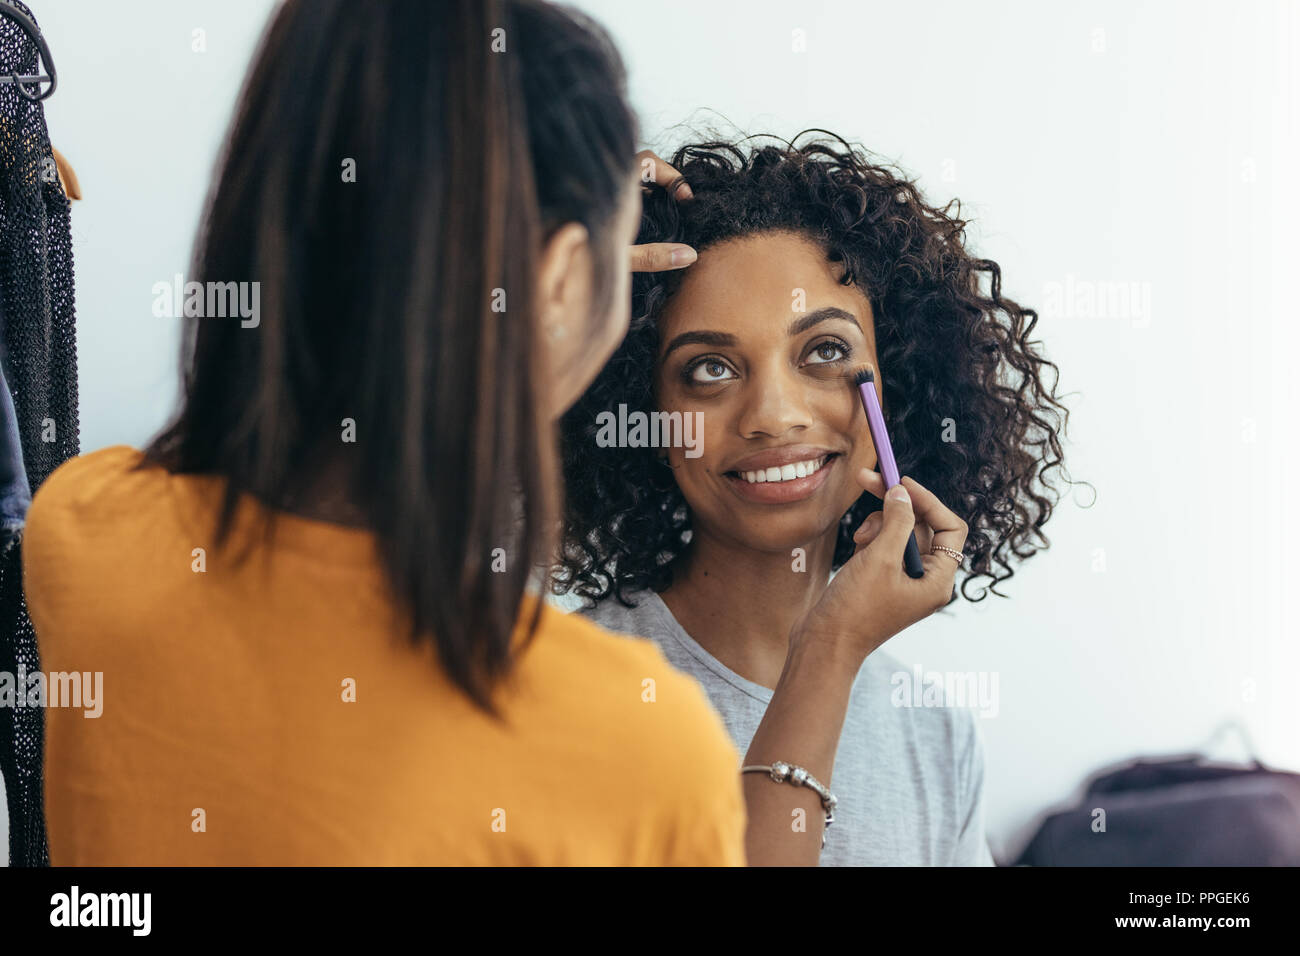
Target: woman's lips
(781,492)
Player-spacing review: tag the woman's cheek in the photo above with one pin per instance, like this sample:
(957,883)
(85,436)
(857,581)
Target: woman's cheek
(693,444)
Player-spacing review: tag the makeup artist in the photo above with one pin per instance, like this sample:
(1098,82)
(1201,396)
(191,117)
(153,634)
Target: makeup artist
(313,597)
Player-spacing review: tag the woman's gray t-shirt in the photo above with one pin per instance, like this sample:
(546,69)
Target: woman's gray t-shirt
(908,781)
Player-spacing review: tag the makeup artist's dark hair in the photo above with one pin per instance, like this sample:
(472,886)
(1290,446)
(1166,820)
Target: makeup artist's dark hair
(948,345)
(477,128)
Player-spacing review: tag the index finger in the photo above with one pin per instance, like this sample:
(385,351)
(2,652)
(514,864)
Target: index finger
(657,170)
(661,256)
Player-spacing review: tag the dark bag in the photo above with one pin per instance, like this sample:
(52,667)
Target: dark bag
(1182,811)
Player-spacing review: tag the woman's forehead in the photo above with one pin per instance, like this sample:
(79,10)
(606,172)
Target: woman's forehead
(753,280)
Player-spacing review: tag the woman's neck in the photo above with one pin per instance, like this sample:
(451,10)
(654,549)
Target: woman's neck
(740,604)
(327,494)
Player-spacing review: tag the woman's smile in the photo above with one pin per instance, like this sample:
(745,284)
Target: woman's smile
(781,475)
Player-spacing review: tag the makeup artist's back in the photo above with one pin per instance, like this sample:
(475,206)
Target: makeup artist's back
(271,712)
(392,170)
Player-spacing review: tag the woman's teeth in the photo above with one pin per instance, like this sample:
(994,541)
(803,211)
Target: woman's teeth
(800,469)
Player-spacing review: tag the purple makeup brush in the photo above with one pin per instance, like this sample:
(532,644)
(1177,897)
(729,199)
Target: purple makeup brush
(865,380)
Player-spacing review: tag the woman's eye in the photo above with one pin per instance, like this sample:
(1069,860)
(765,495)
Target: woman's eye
(828,352)
(708,372)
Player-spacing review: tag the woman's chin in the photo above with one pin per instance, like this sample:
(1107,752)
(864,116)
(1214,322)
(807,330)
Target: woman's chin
(792,540)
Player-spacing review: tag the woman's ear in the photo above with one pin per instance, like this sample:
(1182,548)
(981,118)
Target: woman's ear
(564,279)
(573,341)
(563,308)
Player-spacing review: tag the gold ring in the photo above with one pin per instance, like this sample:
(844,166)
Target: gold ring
(934,548)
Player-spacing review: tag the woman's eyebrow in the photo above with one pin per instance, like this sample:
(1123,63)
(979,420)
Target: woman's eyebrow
(806,322)
(699,337)
(725,339)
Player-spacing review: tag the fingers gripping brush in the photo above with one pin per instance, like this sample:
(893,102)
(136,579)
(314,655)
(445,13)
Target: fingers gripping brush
(865,380)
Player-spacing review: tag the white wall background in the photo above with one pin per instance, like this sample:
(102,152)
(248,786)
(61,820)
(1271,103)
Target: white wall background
(1135,142)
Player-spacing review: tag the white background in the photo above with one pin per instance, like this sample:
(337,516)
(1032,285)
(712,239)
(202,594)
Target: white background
(1121,142)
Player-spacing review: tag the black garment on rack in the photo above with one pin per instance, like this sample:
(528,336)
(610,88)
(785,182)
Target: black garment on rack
(41,360)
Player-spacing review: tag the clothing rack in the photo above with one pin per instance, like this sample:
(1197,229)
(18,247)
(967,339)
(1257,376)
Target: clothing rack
(29,84)
(38,342)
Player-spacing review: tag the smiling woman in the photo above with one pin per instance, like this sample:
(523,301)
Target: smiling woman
(813,263)
(814,257)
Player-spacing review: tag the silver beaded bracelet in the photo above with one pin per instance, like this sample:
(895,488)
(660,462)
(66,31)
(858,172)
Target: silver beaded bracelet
(783,772)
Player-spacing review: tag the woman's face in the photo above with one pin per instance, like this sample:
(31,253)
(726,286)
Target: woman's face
(758,340)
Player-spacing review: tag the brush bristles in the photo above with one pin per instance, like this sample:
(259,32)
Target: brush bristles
(862,374)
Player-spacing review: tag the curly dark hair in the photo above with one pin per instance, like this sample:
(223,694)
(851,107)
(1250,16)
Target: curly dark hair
(950,350)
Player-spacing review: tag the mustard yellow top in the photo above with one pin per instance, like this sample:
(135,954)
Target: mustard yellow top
(272,712)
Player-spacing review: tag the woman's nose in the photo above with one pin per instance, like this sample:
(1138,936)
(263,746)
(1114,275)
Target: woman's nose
(774,404)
